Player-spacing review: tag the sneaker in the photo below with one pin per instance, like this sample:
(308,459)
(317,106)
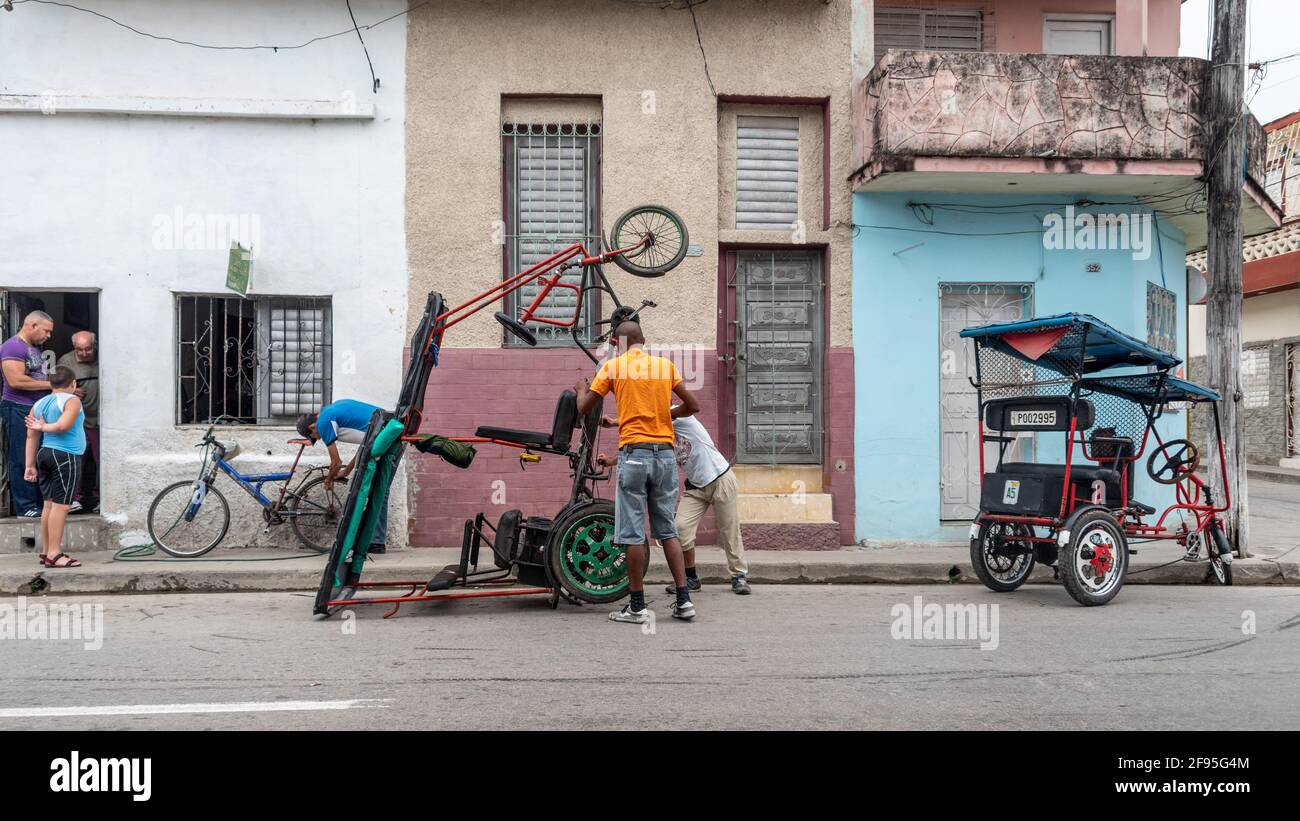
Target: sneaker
(691,584)
(75,507)
(31,514)
(631,616)
(685,612)
(376,548)
(740,585)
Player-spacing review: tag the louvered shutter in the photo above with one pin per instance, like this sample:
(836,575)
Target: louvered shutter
(928,29)
(767,172)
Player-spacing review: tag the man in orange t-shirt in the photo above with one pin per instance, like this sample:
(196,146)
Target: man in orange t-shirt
(643,387)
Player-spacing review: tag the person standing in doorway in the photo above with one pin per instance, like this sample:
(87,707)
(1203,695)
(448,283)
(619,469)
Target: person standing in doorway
(56,440)
(24,383)
(345,421)
(83,361)
(643,386)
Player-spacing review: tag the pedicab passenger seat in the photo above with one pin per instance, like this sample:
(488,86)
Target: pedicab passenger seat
(556,441)
(1031,488)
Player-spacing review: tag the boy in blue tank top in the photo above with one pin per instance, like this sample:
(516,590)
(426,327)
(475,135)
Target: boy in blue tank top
(56,439)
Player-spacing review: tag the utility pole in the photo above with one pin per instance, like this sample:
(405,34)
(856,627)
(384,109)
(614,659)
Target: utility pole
(1225,147)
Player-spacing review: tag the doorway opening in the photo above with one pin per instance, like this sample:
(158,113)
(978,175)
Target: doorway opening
(74,343)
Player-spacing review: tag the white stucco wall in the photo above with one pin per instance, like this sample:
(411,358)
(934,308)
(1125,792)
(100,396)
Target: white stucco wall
(1270,316)
(80,192)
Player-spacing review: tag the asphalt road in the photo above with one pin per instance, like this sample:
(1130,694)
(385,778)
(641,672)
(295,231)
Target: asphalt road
(785,657)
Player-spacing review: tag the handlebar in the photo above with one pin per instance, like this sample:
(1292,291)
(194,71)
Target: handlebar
(630,317)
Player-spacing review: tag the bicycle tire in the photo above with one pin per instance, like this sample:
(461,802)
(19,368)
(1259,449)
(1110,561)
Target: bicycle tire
(155,527)
(311,540)
(1219,546)
(672,231)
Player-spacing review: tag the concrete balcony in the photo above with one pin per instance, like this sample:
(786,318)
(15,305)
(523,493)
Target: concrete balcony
(1039,123)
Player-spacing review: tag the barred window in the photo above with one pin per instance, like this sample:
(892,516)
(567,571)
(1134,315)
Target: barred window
(552,182)
(1254,377)
(257,360)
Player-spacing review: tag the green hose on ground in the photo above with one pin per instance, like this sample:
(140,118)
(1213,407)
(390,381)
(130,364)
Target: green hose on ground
(142,552)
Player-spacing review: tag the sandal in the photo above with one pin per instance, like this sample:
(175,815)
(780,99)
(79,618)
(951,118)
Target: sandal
(53,561)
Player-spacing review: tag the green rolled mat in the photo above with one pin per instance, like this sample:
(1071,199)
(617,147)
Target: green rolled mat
(460,454)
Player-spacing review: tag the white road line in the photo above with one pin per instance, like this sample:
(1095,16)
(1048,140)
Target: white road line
(164,709)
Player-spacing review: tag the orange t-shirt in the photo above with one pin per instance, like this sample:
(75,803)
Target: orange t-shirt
(643,388)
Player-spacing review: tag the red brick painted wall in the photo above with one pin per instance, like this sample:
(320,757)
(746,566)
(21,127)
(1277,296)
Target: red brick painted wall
(518,388)
(839,439)
(513,388)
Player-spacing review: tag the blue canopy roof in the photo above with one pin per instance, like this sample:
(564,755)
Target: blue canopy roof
(1150,388)
(1086,344)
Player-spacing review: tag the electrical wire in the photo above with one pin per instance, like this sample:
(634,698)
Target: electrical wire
(373,79)
(256,47)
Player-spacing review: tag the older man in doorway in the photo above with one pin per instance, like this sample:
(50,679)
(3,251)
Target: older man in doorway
(83,361)
(25,382)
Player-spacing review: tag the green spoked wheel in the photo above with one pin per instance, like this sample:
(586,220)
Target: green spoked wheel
(583,557)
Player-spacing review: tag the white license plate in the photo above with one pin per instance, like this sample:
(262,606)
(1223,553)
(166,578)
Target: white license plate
(1033,418)
(1011,492)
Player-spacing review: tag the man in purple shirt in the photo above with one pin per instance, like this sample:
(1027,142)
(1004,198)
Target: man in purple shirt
(24,383)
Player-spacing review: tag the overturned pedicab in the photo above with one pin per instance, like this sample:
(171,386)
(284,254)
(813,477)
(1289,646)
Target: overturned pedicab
(1072,506)
(568,555)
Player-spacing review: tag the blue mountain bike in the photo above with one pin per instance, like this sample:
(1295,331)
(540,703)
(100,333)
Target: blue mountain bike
(187,519)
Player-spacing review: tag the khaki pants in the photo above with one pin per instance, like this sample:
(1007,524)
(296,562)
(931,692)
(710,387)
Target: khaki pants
(723,494)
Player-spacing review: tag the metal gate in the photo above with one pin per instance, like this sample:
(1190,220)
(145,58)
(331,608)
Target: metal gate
(779,342)
(964,305)
(1292,399)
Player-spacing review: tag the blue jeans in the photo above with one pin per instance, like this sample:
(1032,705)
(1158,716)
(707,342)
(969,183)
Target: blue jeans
(26,495)
(647,483)
(381,524)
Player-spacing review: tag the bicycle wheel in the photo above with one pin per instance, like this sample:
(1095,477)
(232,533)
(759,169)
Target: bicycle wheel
(186,539)
(1218,548)
(582,555)
(664,235)
(1001,560)
(314,514)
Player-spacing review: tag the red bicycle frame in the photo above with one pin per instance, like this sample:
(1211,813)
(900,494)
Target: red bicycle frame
(572,257)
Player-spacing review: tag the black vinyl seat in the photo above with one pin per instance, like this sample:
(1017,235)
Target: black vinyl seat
(1085,473)
(566,417)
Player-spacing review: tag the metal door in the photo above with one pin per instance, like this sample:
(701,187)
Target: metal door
(964,305)
(779,361)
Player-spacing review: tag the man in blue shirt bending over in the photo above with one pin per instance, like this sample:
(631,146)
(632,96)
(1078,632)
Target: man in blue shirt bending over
(345,421)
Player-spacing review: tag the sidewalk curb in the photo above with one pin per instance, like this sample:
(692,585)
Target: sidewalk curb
(849,566)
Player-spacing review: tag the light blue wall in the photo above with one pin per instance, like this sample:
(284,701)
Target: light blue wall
(896,328)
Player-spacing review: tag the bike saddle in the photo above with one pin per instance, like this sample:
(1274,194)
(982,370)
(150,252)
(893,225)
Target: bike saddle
(515,327)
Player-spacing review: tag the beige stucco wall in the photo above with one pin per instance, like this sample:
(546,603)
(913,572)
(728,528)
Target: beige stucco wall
(661,133)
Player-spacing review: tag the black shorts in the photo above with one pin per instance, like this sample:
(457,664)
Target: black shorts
(59,474)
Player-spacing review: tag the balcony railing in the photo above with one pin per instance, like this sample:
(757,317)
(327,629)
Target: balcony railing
(1061,111)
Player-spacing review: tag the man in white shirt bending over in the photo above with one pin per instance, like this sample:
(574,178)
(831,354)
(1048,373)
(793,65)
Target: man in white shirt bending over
(710,482)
